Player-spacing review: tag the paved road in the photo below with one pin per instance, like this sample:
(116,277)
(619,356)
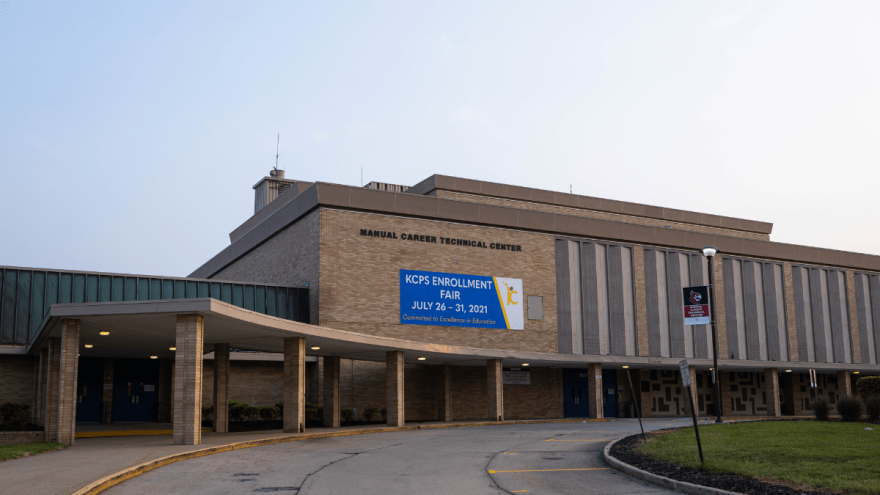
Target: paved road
(558,458)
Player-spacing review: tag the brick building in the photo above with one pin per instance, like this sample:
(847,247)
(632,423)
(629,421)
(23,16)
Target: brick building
(391,297)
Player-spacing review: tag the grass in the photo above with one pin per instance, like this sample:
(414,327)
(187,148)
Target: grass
(8,452)
(835,456)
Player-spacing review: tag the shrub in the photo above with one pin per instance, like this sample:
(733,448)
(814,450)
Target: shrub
(850,408)
(868,386)
(267,413)
(15,414)
(346,414)
(872,407)
(280,407)
(369,412)
(207,413)
(314,412)
(821,409)
(237,410)
(383,412)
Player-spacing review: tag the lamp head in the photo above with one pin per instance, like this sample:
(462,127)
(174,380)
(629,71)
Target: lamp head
(709,251)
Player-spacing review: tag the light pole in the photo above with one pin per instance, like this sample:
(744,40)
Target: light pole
(709,253)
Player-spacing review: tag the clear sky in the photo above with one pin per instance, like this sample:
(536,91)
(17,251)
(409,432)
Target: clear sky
(131,132)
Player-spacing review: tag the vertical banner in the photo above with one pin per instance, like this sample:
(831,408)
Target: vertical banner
(696,305)
(457,300)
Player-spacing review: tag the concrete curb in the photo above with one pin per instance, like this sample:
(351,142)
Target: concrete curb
(128,473)
(669,484)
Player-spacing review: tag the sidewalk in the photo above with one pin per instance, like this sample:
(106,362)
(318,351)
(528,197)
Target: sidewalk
(67,470)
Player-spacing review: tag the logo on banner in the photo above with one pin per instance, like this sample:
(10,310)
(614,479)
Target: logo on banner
(458,300)
(695,297)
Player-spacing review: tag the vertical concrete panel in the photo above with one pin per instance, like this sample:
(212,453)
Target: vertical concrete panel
(771,311)
(332,371)
(495,390)
(574,277)
(675,305)
(663,305)
(874,282)
(652,311)
(840,314)
(760,312)
(294,418)
(742,342)
(866,318)
(629,306)
(753,341)
(782,331)
(68,370)
(221,388)
(563,297)
(698,276)
(615,296)
(590,298)
(827,330)
(602,299)
(803,314)
(394,398)
(188,362)
(733,326)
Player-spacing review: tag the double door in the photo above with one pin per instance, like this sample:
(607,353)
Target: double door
(575,391)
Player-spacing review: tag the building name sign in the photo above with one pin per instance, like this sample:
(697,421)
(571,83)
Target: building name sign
(458,300)
(414,237)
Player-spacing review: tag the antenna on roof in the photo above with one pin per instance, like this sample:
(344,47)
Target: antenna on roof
(277,147)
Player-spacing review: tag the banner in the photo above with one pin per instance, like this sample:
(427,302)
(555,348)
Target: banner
(696,305)
(457,300)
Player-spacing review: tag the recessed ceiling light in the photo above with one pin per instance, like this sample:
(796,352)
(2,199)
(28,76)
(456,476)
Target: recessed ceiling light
(788,371)
(855,372)
(422,358)
(154,357)
(525,364)
(625,366)
(104,333)
(172,348)
(88,346)
(315,348)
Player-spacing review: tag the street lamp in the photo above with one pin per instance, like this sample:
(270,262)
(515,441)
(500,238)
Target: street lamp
(709,253)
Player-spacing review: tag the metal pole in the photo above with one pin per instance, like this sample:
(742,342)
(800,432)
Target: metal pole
(696,427)
(638,413)
(717,375)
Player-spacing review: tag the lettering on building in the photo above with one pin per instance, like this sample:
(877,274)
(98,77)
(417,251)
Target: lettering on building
(421,237)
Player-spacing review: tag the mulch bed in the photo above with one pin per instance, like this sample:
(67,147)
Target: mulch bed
(626,451)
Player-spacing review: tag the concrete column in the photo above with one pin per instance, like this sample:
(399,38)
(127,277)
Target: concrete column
(495,389)
(68,369)
(221,388)
(844,384)
(50,418)
(107,392)
(188,379)
(42,379)
(645,400)
(331,392)
(445,394)
(294,420)
(594,390)
(693,392)
(394,388)
(771,388)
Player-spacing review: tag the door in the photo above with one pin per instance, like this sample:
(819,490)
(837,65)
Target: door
(574,392)
(134,390)
(609,392)
(89,390)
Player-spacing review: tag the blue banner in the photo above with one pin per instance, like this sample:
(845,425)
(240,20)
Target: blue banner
(457,300)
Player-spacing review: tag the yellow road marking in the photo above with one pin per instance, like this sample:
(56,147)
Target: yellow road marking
(580,440)
(508,452)
(518,491)
(542,470)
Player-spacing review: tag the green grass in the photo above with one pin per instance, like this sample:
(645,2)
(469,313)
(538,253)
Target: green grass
(836,456)
(8,452)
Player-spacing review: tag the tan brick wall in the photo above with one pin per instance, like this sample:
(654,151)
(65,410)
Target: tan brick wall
(17,377)
(720,308)
(641,302)
(290,258)
(19,437)
(599,214)
(540,400)
(256,383)
(790,314)
(363,272)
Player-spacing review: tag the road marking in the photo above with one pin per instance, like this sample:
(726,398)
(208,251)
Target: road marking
(508,452)
(518,491)
(542,470)
(580,440)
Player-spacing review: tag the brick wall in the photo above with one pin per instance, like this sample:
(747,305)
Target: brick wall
(19,437)
(17,379)
(540,400)
(256,383)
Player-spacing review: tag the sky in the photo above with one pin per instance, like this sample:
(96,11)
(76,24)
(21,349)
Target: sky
(131,133)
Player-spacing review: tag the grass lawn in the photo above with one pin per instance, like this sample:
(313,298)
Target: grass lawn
(836,456)
(8,452)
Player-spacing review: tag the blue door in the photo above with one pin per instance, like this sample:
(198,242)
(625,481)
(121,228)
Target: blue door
(135,384)
(89,390)
(609,392)
(574,392)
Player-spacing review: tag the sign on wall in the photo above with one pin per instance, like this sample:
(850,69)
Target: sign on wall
(457,300)
(516,376)
(696,305)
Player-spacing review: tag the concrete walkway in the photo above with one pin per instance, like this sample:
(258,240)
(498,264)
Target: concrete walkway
(67,470)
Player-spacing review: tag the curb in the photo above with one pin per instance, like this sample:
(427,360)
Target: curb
(669,484)
(128,473)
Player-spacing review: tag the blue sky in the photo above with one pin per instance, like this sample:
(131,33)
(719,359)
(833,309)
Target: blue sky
(131,132)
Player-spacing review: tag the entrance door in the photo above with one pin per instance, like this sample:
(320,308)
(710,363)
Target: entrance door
(89,390)
(574,391)
(134,390)
(609,392)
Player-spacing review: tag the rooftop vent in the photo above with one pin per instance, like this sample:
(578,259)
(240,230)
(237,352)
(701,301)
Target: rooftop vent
(269,188)
(381,186)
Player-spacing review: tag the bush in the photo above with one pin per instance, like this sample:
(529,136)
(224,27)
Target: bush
(872,407)
(314,412)
(346,414)
(280,407)
(850,408)
(267,413)
(369,412)
(15,414)
(868,386)
(821,409)
(207,413)
(383,412)
(237,410)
